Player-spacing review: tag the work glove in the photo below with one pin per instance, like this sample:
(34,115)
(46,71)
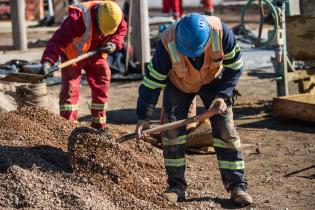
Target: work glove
(45,68)
(217,106)
(141,125)
(109,48)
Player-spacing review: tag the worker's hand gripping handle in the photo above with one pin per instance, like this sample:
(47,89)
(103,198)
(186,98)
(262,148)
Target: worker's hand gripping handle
(180,123)
(51,70)
(171,125)
(75,60)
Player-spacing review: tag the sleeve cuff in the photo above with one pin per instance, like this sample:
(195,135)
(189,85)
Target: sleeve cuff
(222,95)
(50,61)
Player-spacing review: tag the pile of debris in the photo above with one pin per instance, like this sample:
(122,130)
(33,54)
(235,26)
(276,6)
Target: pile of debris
(35,171)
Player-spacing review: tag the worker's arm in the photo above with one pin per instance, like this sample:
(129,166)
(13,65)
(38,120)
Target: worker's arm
(155,78)
(118,37)
(72,26)
(232,62)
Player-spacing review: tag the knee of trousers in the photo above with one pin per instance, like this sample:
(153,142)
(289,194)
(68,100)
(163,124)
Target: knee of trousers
(227,138)
(69,93)
(225,131)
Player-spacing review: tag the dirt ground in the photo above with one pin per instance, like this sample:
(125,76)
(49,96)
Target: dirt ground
(35,171)
(279,157)
(279,153)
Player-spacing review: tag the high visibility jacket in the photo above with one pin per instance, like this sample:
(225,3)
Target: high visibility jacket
(81,45)
(183,74)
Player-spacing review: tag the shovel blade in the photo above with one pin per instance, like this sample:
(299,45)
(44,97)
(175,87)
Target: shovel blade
(126,138)
(23,78)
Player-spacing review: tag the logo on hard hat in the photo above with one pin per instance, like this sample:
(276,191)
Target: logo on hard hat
(202,24)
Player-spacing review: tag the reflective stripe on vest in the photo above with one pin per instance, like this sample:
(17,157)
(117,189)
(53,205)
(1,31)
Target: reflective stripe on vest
(215,44)
(183,74)
(173,52)
(86,14)
(216,41)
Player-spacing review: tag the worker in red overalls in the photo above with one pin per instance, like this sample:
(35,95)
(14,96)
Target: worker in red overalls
(209,7)
(89,25)
(174,6)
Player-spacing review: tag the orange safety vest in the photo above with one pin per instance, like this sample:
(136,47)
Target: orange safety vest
(81,45)
(183,74)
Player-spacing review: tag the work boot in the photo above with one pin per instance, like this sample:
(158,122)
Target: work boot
(240,196)
(174,195)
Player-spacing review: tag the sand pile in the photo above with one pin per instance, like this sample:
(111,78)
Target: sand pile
(35,170)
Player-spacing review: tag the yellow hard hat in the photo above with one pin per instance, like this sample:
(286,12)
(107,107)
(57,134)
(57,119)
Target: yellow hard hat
(109,17)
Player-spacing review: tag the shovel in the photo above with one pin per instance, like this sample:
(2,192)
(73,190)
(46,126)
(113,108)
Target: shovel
(31,78)
(172,125)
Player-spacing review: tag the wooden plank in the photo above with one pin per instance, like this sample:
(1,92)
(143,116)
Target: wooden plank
(301,37)
(301,106)
(301,74)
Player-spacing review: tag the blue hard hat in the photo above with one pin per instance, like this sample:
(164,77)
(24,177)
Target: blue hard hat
(192,35)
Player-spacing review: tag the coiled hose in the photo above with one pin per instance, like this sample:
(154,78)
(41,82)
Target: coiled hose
(274,14)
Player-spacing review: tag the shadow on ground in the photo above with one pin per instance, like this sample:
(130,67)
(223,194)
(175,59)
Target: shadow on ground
(46,157)
(260,116)
(223,202)
(261,74)
(123,116)
(281,124)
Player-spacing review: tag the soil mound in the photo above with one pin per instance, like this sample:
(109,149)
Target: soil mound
(35,170)
(34,126)
(131,174)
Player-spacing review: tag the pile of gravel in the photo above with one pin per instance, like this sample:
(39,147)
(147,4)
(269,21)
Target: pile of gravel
(36,170)
(131,174)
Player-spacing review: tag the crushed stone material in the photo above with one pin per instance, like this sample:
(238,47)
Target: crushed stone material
(47,162)
(36,172)
(132,174)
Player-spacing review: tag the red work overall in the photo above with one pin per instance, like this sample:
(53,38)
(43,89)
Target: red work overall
(174,6)
(78,35)
(208,5)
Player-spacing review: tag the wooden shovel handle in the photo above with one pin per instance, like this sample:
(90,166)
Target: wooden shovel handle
(169,126)
(77,59)
(180,123)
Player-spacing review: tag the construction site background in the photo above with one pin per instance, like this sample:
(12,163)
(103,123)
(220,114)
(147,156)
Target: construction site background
(39,151)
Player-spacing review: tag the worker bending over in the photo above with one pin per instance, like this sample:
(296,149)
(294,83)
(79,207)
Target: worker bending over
(196,56)
(89,26)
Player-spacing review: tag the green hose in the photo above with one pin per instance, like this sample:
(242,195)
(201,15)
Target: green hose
(276,22)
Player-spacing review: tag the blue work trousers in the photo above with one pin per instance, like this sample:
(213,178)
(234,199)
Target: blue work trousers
(226,140)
